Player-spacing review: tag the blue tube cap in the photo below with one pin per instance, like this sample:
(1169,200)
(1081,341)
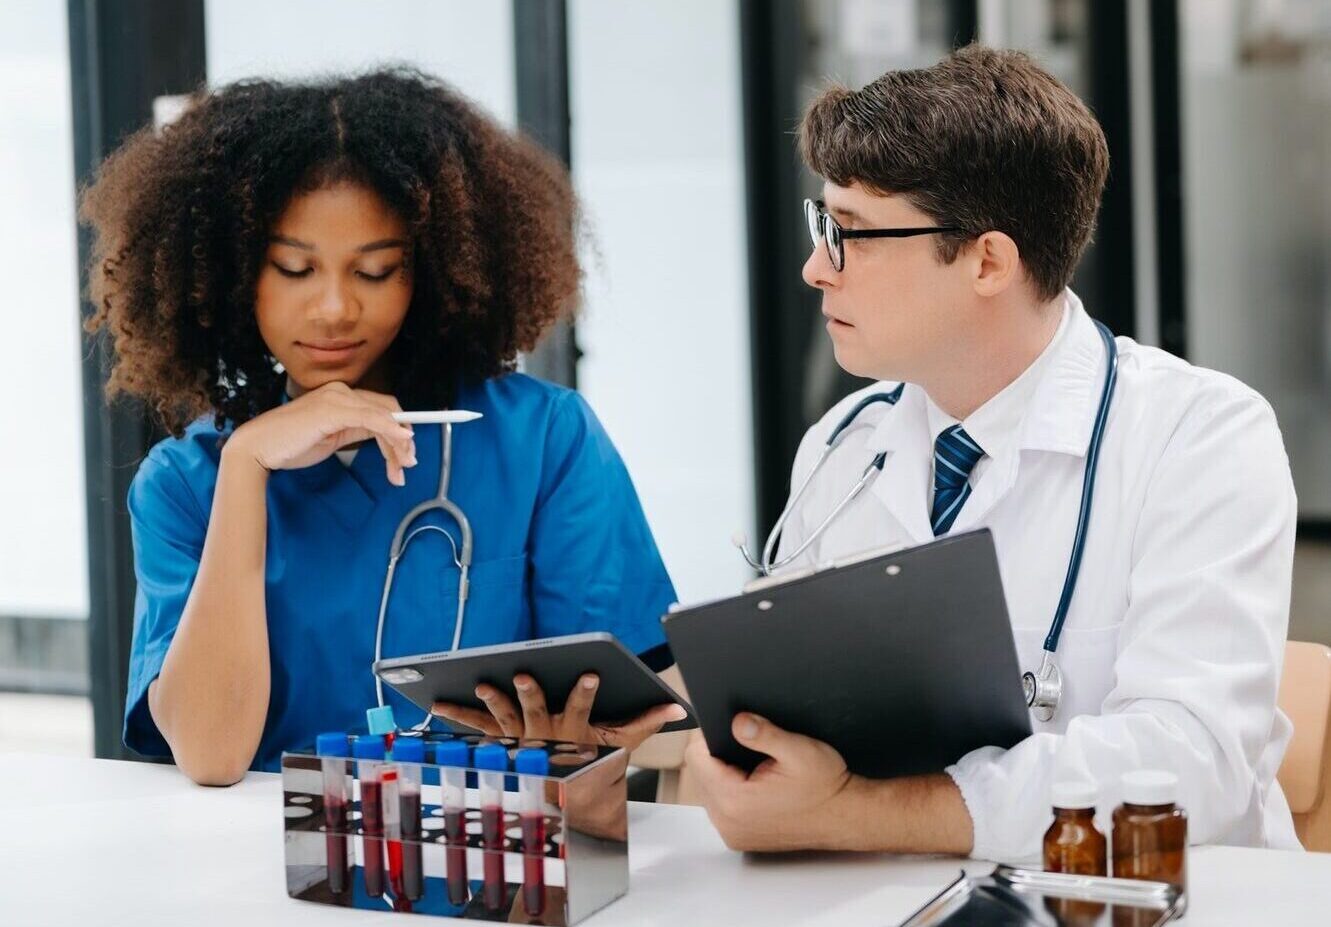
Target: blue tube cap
(493,757)
(408,750)
(380,720)
(532,761)
(335,743)
(368,748)
(452,753)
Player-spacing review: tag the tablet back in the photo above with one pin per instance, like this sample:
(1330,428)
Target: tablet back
(903,663)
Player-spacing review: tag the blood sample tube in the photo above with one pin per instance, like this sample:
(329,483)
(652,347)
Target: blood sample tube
(408,753)
(492,762)
(454,756)
(369,751)
(334,748)
(532,765)
(392,826)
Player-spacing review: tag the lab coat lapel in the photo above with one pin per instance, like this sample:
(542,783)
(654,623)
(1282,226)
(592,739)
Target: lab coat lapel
(1063,408)
(903,486)
(1059,419)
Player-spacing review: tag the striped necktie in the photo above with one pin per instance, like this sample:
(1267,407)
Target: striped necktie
(955,456)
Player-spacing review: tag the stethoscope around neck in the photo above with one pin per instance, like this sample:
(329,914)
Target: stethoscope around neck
(404,535)
(1044,687)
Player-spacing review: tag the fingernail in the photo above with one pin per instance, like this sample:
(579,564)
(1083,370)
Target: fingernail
(522,683)
(748,727)
(589,682)
(410,460)
(677,713)
(482,693)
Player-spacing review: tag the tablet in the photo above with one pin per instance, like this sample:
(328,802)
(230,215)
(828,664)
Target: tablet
(628,687)
(903,662)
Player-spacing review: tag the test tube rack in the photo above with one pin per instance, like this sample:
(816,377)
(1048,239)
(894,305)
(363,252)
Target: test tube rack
(454,871)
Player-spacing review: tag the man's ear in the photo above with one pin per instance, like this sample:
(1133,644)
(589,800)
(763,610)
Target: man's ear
(996,262)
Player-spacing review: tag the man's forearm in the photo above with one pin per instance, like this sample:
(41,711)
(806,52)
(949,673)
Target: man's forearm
(916,814)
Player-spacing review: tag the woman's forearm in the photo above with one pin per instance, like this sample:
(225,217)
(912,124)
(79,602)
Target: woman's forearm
(211,697)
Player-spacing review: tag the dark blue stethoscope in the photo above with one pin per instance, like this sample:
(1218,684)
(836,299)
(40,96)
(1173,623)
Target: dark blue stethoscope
(1044,687)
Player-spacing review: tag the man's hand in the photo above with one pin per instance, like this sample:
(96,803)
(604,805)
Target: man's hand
(803,798)
(787,803)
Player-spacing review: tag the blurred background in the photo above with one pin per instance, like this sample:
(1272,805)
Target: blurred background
(697,342)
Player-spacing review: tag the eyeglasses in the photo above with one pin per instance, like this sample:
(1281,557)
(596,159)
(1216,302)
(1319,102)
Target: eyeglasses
(822,227)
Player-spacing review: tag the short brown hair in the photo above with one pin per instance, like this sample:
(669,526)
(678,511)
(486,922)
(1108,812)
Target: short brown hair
(984,140)
(182,220)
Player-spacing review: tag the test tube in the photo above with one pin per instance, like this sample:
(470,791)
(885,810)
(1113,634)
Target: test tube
(334,748)
(492,761)
(392,826)
(454,756)
(408,753)
(532,765)
(369,751)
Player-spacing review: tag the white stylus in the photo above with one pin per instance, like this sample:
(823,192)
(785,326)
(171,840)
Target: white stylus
(439,417)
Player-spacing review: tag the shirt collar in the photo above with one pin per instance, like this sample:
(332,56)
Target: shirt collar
(995,426)
(1049,407)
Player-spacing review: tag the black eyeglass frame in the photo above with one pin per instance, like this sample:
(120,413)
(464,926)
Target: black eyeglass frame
(823,227)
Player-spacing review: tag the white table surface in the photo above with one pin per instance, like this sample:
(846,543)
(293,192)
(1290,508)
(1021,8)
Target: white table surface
(101,842)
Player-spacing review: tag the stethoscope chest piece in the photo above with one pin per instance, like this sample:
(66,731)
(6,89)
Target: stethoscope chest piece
(1043,688)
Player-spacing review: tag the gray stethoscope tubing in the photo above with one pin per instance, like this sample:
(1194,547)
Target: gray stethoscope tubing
(767,565)
(401,539)
(1043,688)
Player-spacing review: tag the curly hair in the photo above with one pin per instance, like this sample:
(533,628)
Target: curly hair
(182,219)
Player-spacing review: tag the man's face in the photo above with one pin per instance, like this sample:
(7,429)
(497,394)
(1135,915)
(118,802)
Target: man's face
(894,308)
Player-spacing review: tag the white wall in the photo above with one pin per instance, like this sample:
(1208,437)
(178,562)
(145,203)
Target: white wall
(658,160)
(43,527)
(468,44)
(1257,207)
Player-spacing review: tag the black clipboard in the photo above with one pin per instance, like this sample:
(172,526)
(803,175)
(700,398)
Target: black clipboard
(904,662)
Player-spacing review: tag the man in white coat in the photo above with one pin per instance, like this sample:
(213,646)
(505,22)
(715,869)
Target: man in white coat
(1171,653)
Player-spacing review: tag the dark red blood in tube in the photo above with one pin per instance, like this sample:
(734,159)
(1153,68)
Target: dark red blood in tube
(533,863)
(372,823)
(335,823)
(492,835)
(456,857)
(413,885)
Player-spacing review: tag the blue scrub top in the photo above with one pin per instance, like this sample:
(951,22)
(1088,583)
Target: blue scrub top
(561,547)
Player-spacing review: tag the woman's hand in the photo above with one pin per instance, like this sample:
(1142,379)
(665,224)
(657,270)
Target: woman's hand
(309,429)
(534,721)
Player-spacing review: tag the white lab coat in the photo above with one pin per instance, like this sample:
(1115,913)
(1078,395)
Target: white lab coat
(1172,650)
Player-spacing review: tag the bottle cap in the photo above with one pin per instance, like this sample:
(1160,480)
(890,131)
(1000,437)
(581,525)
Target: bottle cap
(533,761)
(1150,787)
(1075,795)
(452,753)
(380,720)
(409,750)
(492,757)
(370,747)
(335,743)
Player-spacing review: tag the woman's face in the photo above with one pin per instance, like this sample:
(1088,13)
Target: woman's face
(334,288)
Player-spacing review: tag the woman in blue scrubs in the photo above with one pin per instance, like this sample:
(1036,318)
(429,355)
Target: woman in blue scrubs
(280,271)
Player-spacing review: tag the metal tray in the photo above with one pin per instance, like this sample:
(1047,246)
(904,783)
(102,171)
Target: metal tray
(1018,897)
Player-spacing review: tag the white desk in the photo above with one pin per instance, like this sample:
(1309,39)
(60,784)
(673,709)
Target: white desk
(99,842)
